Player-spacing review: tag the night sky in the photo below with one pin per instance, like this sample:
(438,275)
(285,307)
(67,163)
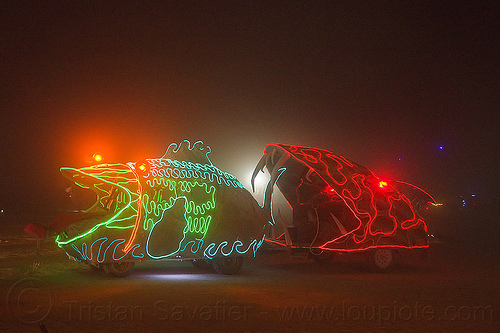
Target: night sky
(385,84)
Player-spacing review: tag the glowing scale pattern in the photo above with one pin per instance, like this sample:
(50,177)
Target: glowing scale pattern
(197,214)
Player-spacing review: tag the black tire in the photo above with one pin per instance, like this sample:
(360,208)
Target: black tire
(94,268)
(324,257)
(119,269)
(201,264)
(381,259)
(227,265)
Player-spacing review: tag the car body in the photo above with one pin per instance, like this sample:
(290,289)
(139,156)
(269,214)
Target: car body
(340,206)
(176,207)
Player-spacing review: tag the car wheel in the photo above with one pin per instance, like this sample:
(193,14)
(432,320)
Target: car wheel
(324,257)
(95,268)
(381,259)
(227,265)
(201,264)
(119,269)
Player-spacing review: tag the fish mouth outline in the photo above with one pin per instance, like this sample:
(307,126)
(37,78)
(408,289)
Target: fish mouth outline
(116,188)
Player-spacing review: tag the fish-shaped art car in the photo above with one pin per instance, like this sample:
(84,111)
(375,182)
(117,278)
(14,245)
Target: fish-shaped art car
(340,206)
(176,207)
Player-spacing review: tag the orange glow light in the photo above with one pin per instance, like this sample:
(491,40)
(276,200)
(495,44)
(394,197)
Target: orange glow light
(97,157)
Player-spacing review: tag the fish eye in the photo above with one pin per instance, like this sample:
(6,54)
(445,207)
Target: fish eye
(142,167)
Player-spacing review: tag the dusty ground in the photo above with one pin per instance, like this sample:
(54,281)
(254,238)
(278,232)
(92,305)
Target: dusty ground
(456,290)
